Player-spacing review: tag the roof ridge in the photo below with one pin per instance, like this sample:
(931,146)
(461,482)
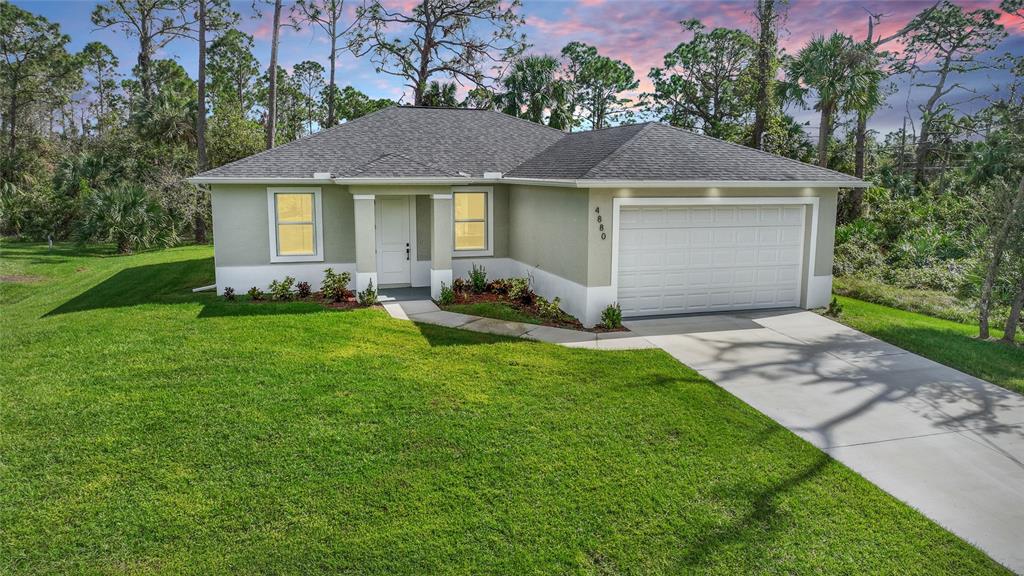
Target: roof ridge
(618,150)
(758,150)
(305,138)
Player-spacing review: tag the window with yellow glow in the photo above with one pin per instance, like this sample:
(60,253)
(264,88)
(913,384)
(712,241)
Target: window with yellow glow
(470,220)
(295,234)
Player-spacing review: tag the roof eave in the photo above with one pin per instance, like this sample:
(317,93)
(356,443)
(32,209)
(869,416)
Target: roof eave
(559,182)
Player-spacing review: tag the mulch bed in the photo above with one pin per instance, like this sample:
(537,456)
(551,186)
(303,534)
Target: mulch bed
(570,322)
(349,303)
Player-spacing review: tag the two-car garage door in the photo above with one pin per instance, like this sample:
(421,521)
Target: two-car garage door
(681,259)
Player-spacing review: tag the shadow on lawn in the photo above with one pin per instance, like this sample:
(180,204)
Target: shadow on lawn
(169,282)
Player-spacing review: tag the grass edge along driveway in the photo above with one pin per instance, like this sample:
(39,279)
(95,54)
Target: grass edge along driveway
(147,429)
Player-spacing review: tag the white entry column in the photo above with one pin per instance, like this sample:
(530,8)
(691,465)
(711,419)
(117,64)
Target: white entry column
(440,243)
(366,240)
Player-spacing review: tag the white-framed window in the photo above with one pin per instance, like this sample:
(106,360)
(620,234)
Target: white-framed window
(473,226)
(296,224)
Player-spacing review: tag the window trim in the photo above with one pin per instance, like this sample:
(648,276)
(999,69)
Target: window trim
(488,223)
(318,228)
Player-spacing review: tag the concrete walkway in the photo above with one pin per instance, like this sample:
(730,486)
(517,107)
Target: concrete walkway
(426,312)
(946,443)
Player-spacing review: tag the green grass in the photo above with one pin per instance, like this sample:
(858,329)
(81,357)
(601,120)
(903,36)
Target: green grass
(145,429)
(931,302)
(951,343)
(498,310)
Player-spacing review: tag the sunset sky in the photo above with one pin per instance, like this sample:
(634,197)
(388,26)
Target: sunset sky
(638,32)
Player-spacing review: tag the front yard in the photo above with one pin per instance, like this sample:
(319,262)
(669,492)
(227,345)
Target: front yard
(145,429)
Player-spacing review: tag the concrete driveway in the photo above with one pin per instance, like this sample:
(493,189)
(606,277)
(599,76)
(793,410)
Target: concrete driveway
(946,443)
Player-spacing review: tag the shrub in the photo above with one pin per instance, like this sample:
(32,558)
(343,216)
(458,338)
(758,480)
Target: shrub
(518,290)
(335,286)
(550,310)
(478,279)
(611,316)
(303,289)
(447,295)
(459,286)
(282,289)
(229,293)
(835,309)
(255,294)
(368,297)
(127,216)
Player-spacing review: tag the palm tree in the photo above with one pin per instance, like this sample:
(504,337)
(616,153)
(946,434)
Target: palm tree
(440,95)
(531,87)
(823,66)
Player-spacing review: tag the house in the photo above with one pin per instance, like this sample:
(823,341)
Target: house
(658,219)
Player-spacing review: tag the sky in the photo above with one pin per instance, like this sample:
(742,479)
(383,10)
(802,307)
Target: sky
(639,32)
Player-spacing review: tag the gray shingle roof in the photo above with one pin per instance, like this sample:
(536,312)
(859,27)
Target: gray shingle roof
(412,142)
(655,151)
(452,140)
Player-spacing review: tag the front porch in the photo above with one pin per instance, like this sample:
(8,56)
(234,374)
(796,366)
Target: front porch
(389,232)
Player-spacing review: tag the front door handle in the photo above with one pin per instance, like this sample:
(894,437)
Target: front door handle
(406,250)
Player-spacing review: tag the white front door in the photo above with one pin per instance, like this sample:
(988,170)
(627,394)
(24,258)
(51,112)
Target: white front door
(683,259)
(394,239)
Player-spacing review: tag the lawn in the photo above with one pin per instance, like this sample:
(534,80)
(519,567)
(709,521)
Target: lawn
(145,429)
(497,310)
(951,343)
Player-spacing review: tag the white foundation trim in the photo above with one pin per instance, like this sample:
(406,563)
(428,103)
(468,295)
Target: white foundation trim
(819,291)
(363,280)
(318,224)
(364,196)
(806,271)
(241,278)
(437,277)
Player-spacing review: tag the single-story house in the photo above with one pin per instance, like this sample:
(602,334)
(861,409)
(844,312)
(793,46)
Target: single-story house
(658,219)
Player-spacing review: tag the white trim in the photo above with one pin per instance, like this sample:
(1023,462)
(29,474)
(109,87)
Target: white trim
(318,224)
(489,224)
(811,201)
(441,197)
(570,183)
(363,279)
(437,277)
(364,196)
(819,291)
(241,278)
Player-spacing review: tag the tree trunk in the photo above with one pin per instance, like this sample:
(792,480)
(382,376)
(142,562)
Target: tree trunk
(998,246)
(1010,334)
(12,122)
(766,46)
(330,87)
(272,96)
(921,154)
(145,47)
(198,222)
(824,133)
(860,144)
(423,74)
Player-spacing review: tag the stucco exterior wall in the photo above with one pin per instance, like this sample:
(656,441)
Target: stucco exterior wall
(241,225)
(548,230)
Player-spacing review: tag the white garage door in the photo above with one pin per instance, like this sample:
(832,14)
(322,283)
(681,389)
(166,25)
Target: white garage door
(681,259)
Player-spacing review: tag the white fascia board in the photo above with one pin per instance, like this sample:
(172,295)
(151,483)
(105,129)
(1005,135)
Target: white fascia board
(267,181)
(721,184)
(387,181)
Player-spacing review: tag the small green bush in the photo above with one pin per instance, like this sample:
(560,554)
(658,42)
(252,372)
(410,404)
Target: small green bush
(519,290)
(368,297)
(835,309)
(255,294)
(447,295)
(611,316)
(550,309)
(229,293)
(478,279)
(282,289)
(335,286)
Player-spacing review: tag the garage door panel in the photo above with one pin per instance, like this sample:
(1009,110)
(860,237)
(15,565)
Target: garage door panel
(690,259)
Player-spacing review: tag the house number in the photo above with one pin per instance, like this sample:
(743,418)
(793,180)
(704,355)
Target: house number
(600,226)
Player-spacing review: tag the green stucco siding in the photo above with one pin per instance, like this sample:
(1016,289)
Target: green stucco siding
(241,228)
(548,228)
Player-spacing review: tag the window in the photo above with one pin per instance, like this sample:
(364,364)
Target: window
(472,211)
(295,233)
